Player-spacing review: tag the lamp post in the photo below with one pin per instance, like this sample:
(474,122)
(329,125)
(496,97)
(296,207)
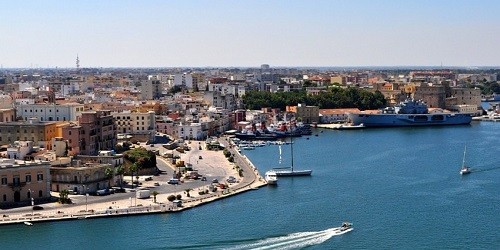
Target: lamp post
(86,195)
(32,201)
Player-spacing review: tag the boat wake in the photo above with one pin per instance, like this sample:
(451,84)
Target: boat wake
(484,169)
(294,240)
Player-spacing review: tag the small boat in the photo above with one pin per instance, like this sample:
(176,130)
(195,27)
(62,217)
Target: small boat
(350,126)
(271,177)
(27,223)
(345,226)
(464,170)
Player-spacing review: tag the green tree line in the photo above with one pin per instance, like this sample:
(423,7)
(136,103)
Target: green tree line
(333,98)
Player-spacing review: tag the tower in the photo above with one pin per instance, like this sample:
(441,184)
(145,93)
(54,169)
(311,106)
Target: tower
(77,63)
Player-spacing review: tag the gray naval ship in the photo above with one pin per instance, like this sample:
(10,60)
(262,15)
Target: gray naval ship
(408,113)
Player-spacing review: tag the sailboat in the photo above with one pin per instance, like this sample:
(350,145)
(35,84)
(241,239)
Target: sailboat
(464,170)
(289,171)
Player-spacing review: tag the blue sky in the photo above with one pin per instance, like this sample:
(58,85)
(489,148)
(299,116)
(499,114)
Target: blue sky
(146,33)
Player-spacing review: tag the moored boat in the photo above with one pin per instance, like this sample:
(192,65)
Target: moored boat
(409,113)
(289,171)
(271,177)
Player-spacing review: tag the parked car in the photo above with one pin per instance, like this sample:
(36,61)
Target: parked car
(102,192)
(231,179)
(157,184)
(200,157)
(215,181)
(204,178)
(173,181)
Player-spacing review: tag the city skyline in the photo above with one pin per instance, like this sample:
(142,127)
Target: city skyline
(249,33)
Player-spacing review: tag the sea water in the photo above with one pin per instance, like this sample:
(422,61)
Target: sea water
(400,187)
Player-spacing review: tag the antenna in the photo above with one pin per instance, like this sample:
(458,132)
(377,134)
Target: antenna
(77,63)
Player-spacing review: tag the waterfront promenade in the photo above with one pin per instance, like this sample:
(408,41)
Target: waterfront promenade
(133,206)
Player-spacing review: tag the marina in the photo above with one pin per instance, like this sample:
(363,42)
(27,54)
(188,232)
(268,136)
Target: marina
(387,209)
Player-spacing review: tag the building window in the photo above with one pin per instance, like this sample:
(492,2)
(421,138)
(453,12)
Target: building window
(16,179)
(28,178)
(28,194)
(39,177)
(4,180)
(69,132)
(4,197)
(40,193)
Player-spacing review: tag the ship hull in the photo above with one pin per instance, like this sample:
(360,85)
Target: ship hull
(409,120)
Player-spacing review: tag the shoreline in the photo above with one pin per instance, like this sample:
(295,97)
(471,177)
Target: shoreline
(251,180)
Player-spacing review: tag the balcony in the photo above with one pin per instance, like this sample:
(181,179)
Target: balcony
(16,184)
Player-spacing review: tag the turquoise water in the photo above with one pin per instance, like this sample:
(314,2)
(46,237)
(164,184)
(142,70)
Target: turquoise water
(399,187)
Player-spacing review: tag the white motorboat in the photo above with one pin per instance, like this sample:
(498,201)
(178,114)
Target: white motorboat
(464,170)
(345,226)
(27,223)
(271,177)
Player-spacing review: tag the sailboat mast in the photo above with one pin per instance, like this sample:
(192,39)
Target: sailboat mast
(291,147)
(463,162)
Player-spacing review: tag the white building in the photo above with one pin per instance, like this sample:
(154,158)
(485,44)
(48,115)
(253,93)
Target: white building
(190,131)
(19,150)
(50,112)
(185,80)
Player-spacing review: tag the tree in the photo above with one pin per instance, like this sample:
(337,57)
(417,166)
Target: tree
(154,193)
(133,169)
(64,197)
(178,197)
(120,170)
(187,192)
(109,175)
(171,198)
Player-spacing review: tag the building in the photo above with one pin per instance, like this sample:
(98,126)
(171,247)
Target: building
(19,150)
(98,132)
(80,178)
(23,180)
(71,132)
(464,100)
(50,112)
(191,131)
(32,130)
(306,114)
(335,115)
(433,96)
(136,123)
(151,89)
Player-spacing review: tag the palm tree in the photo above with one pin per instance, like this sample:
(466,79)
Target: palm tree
(133,169)
(154,193)
(120,170)
(109,174)
(187,192)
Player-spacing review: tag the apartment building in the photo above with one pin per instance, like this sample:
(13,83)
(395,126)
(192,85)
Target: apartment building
(23,180)
(32,130)
(135,122)
(98,132)
(50,112)
(151,89)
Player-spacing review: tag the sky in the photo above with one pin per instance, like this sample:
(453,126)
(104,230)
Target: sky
(244,33)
